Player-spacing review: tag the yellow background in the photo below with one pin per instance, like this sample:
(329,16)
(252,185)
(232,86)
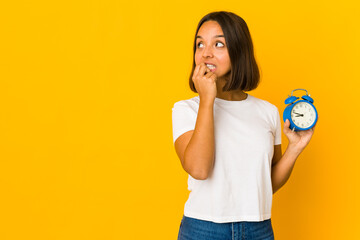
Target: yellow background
(86,93)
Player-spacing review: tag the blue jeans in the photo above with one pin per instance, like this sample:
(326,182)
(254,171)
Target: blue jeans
(196,229)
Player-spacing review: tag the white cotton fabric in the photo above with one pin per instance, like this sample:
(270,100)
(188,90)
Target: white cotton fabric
(239,187)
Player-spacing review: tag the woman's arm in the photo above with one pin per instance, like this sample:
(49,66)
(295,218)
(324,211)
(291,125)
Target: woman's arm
(199,156)
(282,165)
(196,149)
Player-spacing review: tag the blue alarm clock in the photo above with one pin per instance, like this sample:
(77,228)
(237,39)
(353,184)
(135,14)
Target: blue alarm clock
(302,114)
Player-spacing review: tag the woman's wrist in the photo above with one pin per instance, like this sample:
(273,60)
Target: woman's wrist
(206,103)
(293,149)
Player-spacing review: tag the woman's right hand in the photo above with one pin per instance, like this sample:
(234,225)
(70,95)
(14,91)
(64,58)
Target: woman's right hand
(205,84)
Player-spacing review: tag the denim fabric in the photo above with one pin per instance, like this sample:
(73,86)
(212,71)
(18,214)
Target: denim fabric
(196,229)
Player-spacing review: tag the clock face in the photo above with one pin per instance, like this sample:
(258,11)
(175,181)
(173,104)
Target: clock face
(303,114)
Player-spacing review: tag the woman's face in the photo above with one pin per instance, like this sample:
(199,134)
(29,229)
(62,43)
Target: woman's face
(211,48)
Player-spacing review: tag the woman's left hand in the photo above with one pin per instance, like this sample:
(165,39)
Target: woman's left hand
(300,139)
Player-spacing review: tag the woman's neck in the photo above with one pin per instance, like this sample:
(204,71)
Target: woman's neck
(234,95)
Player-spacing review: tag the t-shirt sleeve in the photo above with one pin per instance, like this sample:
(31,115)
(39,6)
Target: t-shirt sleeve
(277,136)
(183,119)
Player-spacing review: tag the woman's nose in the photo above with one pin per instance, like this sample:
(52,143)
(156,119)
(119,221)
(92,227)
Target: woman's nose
(207,52)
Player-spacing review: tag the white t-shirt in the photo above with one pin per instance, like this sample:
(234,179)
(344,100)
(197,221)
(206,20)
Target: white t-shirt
(239,187)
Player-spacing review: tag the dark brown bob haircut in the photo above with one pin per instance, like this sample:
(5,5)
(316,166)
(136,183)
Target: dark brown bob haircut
(244,74)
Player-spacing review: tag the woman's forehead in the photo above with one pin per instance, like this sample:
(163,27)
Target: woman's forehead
(210,29)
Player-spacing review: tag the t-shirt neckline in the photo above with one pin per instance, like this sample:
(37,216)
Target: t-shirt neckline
(229,102)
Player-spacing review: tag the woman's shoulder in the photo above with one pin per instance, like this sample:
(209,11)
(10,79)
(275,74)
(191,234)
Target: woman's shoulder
(264,103)
(192,103)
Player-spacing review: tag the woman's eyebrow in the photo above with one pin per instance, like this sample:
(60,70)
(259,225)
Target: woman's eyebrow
(216,36)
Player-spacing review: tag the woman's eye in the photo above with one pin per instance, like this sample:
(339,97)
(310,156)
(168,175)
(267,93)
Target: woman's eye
(198,45)
(221,43)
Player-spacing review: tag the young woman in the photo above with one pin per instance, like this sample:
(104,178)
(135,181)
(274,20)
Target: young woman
(228,141)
